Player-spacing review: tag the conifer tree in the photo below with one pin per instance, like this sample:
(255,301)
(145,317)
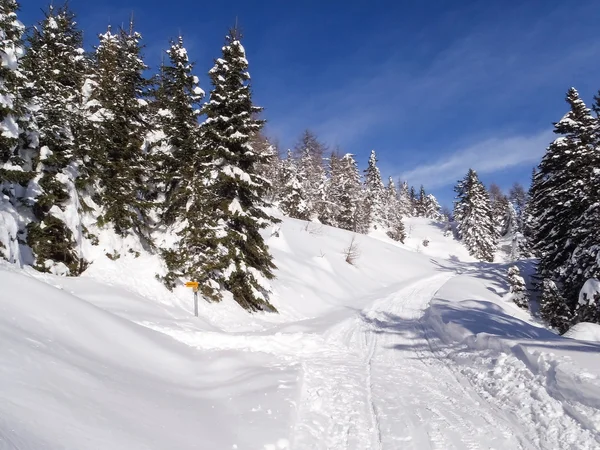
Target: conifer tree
(431,208)
(56,65)
(420,202)
(292,195)
(473,215)
(404,200)
(270,169)
(176,109)
(116,165)
(352,214)
(393,213)
(413,201)
(16,134)
(517,287)
(558,194)
(553,306)
(312,179)
(235,192)
(374,193)
(331,206)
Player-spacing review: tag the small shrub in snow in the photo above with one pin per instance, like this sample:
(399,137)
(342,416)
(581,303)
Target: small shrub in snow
(517,287)
(352,253)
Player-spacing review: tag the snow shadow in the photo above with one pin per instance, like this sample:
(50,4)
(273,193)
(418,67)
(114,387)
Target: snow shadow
(468,319)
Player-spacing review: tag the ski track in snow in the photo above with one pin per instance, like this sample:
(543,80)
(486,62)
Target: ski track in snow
(375,381)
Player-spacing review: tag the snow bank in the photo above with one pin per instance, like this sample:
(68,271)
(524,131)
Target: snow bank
(584,332)
(74,376)
(549,382)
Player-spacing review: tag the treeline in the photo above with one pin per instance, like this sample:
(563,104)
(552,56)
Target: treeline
(557,221)
(483,216)
(92,142)
(89,142)
(311,183)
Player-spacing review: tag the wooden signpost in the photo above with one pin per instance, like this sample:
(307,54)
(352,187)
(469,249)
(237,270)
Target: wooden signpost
(194,286)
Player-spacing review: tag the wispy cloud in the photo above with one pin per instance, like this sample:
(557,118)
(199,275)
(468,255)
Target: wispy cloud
(506,76)
(486,156)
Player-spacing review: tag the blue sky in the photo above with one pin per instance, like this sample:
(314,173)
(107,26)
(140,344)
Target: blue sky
(435,87)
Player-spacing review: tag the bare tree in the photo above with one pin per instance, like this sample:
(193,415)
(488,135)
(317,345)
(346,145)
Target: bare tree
(352,252)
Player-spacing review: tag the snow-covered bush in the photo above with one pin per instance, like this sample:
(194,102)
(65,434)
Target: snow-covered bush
(588,306)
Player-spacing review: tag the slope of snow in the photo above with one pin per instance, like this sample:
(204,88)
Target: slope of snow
(412,347)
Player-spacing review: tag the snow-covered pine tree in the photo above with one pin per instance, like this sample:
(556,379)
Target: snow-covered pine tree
(16,135)
(584,263)
(431,208)
(560,196)
(404,200)
(420,202)
(553,307)
(473,216)
(413,201)
(116,167)
(500,209)
(292,197)
(309,153)
(176,109)
(392,211)
(55,65)
(374,192)
(352,214)
(331,206)
(235,191)
(271,168)
(518,198)
(517,287)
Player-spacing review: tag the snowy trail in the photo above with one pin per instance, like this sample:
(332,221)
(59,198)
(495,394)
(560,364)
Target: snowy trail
(389,390)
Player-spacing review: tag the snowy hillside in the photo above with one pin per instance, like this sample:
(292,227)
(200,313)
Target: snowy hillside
(411,347)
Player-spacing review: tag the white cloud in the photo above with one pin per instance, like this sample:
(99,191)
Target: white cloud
(487,156)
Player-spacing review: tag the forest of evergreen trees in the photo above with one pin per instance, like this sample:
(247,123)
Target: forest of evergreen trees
(94,140)
(97,140)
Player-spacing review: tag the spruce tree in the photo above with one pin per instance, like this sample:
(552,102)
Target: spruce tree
(393,213)
(420,202)
(352,214)
(309,153)
(517,287)
(176,109)
(558,194)
(472,212)
(56,65)
(16,135)
(431,208)
(374,193)
(553,306)
(117,122)
(235,191)
(404,200)
(292,197)
(331,206)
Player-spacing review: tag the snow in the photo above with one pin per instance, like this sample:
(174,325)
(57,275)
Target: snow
(584,331)
(590,289)
(410,347)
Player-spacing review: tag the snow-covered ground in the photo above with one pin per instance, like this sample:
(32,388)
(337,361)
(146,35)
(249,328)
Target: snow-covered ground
(413,347)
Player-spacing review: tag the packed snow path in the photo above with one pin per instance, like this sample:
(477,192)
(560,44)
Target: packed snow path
(389,390)
(374,380)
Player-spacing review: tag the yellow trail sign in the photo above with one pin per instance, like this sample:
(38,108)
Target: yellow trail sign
(192,284)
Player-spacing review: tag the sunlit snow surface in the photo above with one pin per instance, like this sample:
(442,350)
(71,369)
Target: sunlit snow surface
(414,347)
